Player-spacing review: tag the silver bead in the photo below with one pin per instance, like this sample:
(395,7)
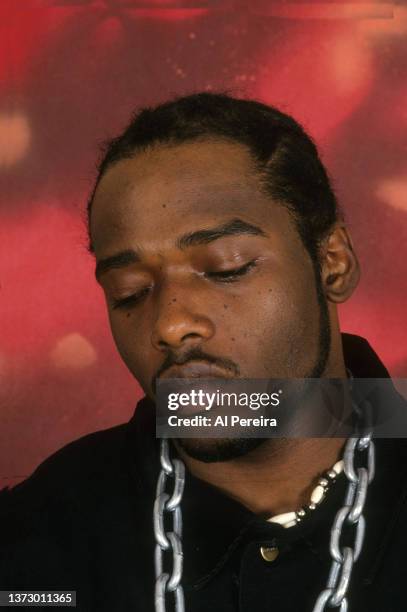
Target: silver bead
(323,482)
(311,506)
(301,512)
(331,474)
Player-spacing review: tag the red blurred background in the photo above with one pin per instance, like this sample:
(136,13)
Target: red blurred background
(71,73)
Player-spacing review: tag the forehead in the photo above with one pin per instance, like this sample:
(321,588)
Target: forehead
(171,189)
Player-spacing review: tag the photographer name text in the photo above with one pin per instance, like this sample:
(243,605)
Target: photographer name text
(221,421)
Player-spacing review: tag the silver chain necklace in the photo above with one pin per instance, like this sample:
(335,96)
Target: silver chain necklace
(343,558)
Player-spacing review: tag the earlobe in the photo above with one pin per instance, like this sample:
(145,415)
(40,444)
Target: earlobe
(339,265)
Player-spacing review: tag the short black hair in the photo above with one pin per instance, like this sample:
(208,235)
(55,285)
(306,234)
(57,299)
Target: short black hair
(285,156)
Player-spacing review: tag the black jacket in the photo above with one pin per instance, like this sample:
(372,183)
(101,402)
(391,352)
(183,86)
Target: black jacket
(83,522)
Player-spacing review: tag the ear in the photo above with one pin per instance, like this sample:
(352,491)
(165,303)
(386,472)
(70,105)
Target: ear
(340,270)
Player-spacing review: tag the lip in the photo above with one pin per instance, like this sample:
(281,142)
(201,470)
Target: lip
(196,369)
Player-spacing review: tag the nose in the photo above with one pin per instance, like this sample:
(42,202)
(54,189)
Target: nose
(180,321)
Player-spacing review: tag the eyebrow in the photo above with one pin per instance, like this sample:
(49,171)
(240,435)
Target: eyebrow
(235,227)
(119,260)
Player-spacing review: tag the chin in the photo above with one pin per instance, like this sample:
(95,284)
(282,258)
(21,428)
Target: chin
(210,450)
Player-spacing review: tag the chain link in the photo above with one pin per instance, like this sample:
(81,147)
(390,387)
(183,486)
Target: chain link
(168,505)
(349,516)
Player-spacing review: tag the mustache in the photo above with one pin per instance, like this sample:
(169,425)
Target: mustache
(193,354)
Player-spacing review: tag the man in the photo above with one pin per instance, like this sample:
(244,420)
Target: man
(222,253)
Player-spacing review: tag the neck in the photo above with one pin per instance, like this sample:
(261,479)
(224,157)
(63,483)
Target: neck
(279,475)
(276,477)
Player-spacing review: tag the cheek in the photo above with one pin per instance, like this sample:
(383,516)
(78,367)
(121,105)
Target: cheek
(276,328)
(131,342)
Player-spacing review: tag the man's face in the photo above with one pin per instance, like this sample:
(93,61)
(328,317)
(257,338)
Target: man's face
(211,278)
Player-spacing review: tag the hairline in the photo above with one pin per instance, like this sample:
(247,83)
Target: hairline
(258,167)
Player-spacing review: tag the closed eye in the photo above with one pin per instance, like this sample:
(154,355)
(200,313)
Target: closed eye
(225,276)
(131,300)
(228,276)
